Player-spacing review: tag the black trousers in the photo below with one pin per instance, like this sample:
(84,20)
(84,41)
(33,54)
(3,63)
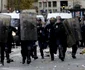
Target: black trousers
(74,49)
(41,45)
(33,49)
(8,49)
(62,51)
(2,49)
(26,49)
(53,49)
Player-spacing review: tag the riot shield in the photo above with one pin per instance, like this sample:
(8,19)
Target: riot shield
(76,29)
(70,36)
(73,31)
(28,26)
(4,23)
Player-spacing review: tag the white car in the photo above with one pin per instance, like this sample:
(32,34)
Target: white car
(41,17)
(62,15)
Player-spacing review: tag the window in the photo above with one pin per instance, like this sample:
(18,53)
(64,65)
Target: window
(49,4)
(45,4)
(64,3)
(40,4)
(50,11)
(54,3)
(54,10)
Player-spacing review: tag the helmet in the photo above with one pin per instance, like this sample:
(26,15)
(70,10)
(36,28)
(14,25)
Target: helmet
(52,20)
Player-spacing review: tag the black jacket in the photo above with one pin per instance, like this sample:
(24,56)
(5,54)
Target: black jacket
(41,32)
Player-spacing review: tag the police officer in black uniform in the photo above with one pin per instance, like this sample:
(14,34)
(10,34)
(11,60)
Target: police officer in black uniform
(61,37)
(28,33)
(9,43)
(50,35)
(3,40)
(41,36)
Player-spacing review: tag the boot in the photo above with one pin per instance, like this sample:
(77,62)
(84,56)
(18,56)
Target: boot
(2,63)
(35,57)
(73,56)
(28,61)
(10,60)
(23,60)
(52,56)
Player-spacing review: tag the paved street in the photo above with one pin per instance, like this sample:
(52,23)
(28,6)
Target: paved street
(46,64)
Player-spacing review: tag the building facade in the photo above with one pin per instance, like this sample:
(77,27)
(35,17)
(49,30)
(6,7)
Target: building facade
(3,5)
(49,6)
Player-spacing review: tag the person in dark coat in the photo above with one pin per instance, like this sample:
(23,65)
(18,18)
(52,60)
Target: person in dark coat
(83,34)
(2,50)
(9,43)
(74,34)
(28,33)
(77,34)
(3,40)
(50,35)
(61,37)
(41,37)
(82,25)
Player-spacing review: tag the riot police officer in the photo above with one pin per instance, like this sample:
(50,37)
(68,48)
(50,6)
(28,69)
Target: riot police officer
(2,42)
(73,33)
(28,31)
(50,34)
(4,23)
(41,36)
(61,37)
(9,43)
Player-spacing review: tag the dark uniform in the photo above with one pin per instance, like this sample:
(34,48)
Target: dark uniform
(28,31)
(41,37)
(4,24)
(3,40)
(77,34)
(9,43)
(50,35)
(2,49)
(83,35)
(73,34)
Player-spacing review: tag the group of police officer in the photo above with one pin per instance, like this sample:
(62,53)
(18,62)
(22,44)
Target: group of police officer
(58,34)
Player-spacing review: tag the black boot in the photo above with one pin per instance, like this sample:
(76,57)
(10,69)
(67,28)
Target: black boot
(28,61)
(52,56)
(10,60)
(62,58)
(2,63)
(73,56)
(74,50)
(23,60)
(35,57)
